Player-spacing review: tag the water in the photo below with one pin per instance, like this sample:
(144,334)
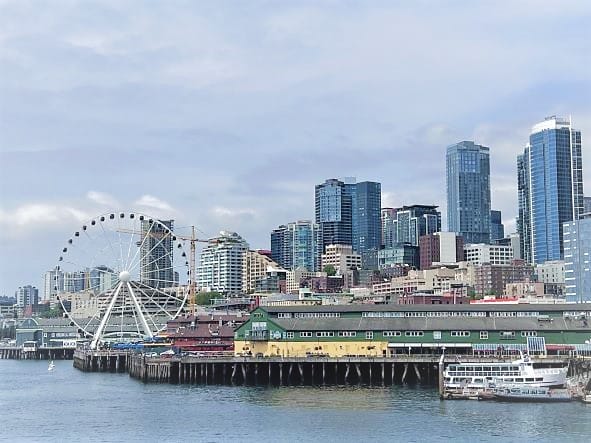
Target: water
(68,405)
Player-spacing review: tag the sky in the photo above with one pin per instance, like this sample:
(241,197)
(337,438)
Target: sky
(225,114)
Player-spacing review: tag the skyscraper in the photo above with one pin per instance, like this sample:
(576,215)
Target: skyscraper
(297,245)
(388,227)
(334,212)
(550,188)
(348,213)
(26,296)
(468,191)
(156,265)
(497,230)
(367,218)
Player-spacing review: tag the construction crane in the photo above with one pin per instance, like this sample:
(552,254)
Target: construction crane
(192,240)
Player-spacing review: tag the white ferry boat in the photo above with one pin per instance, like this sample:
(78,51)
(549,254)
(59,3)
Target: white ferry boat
(459,376)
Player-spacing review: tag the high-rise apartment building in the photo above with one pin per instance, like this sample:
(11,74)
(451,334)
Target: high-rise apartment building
(497,229)
(550,188)
(255,265)
(587,205)
(468,191)
(156,264)
(577,259)
(26,296)
(297,245)
(412,222)
(221,264)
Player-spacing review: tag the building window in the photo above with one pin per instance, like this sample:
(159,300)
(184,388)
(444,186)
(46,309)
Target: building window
(460,333)
(347,334)
(289,335)
(369,335)
(507,335)
(529,334)
(284,315)
(414,334)
(483,335)
(436,335)
(305,334)
(392,333)
(325,334)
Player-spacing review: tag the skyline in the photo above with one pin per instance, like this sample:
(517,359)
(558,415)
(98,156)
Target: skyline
(112,106)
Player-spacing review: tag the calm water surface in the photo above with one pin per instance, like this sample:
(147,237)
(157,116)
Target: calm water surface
(68,405)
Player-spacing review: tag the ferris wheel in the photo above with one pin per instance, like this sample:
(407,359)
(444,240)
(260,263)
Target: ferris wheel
(122,276)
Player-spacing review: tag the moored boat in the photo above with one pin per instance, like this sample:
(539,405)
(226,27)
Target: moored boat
(523,393)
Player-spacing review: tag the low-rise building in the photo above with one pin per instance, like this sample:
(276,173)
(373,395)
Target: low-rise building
(480,254)
(342,258)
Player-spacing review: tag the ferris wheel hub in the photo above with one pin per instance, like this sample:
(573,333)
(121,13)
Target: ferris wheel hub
(124,276)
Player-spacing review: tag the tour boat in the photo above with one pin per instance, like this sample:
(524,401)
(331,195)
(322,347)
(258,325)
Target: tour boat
(520,372)
(531,393)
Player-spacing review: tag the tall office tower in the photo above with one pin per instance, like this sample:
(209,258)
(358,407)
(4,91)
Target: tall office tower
(221,264)
(26,296)
(334,212)
(388,227)
(367,217)
(587,205)
(468,191)
(412,222)
(297,245)
(550,188)
(497,229)
(577,259)
(156,265)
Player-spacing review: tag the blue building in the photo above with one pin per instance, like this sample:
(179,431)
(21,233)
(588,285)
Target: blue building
(497,229)
(468,191)
(550,188)
(412,222)
(348,213)
(577,259)
(334,212)
(297,245)
(367,218)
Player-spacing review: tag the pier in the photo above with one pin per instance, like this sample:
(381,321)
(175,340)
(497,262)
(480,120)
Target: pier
(49,353)
(278,371)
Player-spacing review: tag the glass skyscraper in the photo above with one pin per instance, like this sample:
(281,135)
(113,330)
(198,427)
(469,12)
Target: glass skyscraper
(468,191)
(334,212)
(348,213)
(367,229)
(296,245)
(550,188)
(497,229)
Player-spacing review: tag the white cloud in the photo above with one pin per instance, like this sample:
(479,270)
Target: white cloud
(102,198)
(222,212)
(149,201)
(35,216)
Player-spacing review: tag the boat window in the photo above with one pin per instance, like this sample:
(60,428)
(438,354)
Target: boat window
(529,379)
(519,380)
(540,379)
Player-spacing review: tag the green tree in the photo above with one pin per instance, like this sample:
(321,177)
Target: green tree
(330,270)
(204,298)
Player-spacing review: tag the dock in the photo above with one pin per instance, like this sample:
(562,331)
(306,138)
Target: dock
(41,353)
(227,369)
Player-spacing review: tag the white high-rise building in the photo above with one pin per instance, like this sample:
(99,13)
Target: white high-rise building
(479,254)
(26,296)
(221,264)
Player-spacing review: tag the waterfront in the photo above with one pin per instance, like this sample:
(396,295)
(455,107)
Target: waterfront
(69,405)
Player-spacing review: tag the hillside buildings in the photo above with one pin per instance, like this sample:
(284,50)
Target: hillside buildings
(468,191)
(550,188)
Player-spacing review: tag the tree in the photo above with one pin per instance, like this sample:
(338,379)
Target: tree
(204,298)
(330,270)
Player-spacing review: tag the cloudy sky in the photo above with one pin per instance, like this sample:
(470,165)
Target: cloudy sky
(224,115)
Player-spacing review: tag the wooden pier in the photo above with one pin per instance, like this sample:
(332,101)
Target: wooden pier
(54,353)
(101,361)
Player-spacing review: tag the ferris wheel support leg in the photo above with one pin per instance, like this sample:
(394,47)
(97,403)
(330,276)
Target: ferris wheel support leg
(147,329)
(99,332)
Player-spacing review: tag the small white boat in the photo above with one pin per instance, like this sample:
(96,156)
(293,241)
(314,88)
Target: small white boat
(529,393)
(586,398)
(51,366)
